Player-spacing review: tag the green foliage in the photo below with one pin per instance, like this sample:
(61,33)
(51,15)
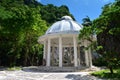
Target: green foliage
(19,32)
(21,23)
(99,62)
(51,13)
(85,33)
(87,30)
(4,13)
(107,29)
(14,68)
(108,34)
(86,21)
(106,74)
(88,33)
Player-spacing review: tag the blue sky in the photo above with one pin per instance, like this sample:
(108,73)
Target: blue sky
(81,8)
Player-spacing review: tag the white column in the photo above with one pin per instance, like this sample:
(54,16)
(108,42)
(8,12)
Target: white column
(70,55)
(60,51)
(48,55)
(44,54)
(90,57)
(53,58)
(79,55)
(75,51)
(86,54)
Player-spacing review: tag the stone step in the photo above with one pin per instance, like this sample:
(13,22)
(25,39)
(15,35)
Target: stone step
(52,69)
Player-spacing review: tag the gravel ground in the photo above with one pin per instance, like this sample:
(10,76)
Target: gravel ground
(32,75)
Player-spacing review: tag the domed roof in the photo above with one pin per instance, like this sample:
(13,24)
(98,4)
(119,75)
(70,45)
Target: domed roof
(65,25)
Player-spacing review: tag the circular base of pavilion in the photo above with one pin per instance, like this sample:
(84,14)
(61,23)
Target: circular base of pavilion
(53,69)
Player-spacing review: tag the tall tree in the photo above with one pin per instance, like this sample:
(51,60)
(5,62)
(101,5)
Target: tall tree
(87,30)
(86,21)
(20,27)
(108,37)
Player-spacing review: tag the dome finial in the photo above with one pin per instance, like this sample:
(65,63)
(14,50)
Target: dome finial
(66,18)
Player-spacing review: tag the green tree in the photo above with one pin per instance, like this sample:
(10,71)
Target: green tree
(87,30)
(86,22)
(108,30)
(20,27)
(21,23)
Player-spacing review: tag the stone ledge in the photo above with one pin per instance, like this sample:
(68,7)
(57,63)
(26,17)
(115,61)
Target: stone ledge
(52,69)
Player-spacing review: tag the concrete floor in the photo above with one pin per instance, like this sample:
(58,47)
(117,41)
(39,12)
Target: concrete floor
(30,75)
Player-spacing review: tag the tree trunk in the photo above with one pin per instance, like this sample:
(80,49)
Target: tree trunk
(111,69)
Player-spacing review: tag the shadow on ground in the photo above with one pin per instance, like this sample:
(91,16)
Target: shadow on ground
(2,68)
(81,77)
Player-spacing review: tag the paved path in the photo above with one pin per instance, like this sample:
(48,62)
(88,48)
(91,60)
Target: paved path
(24,75)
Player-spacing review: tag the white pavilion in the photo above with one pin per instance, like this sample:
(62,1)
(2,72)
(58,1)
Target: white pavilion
(62,47)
